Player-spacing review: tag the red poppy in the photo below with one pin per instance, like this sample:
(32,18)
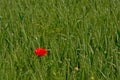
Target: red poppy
(40,52)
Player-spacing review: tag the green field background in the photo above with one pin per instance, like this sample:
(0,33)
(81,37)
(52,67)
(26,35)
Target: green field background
(81,36)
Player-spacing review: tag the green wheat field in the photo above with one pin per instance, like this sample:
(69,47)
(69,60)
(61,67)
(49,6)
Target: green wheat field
(82,38)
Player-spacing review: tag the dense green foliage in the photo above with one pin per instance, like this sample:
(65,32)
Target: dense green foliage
(82,37)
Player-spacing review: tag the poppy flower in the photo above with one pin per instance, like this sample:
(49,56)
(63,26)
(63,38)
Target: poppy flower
(40,52)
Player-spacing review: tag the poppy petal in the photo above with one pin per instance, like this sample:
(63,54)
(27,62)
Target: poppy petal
(40,52)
